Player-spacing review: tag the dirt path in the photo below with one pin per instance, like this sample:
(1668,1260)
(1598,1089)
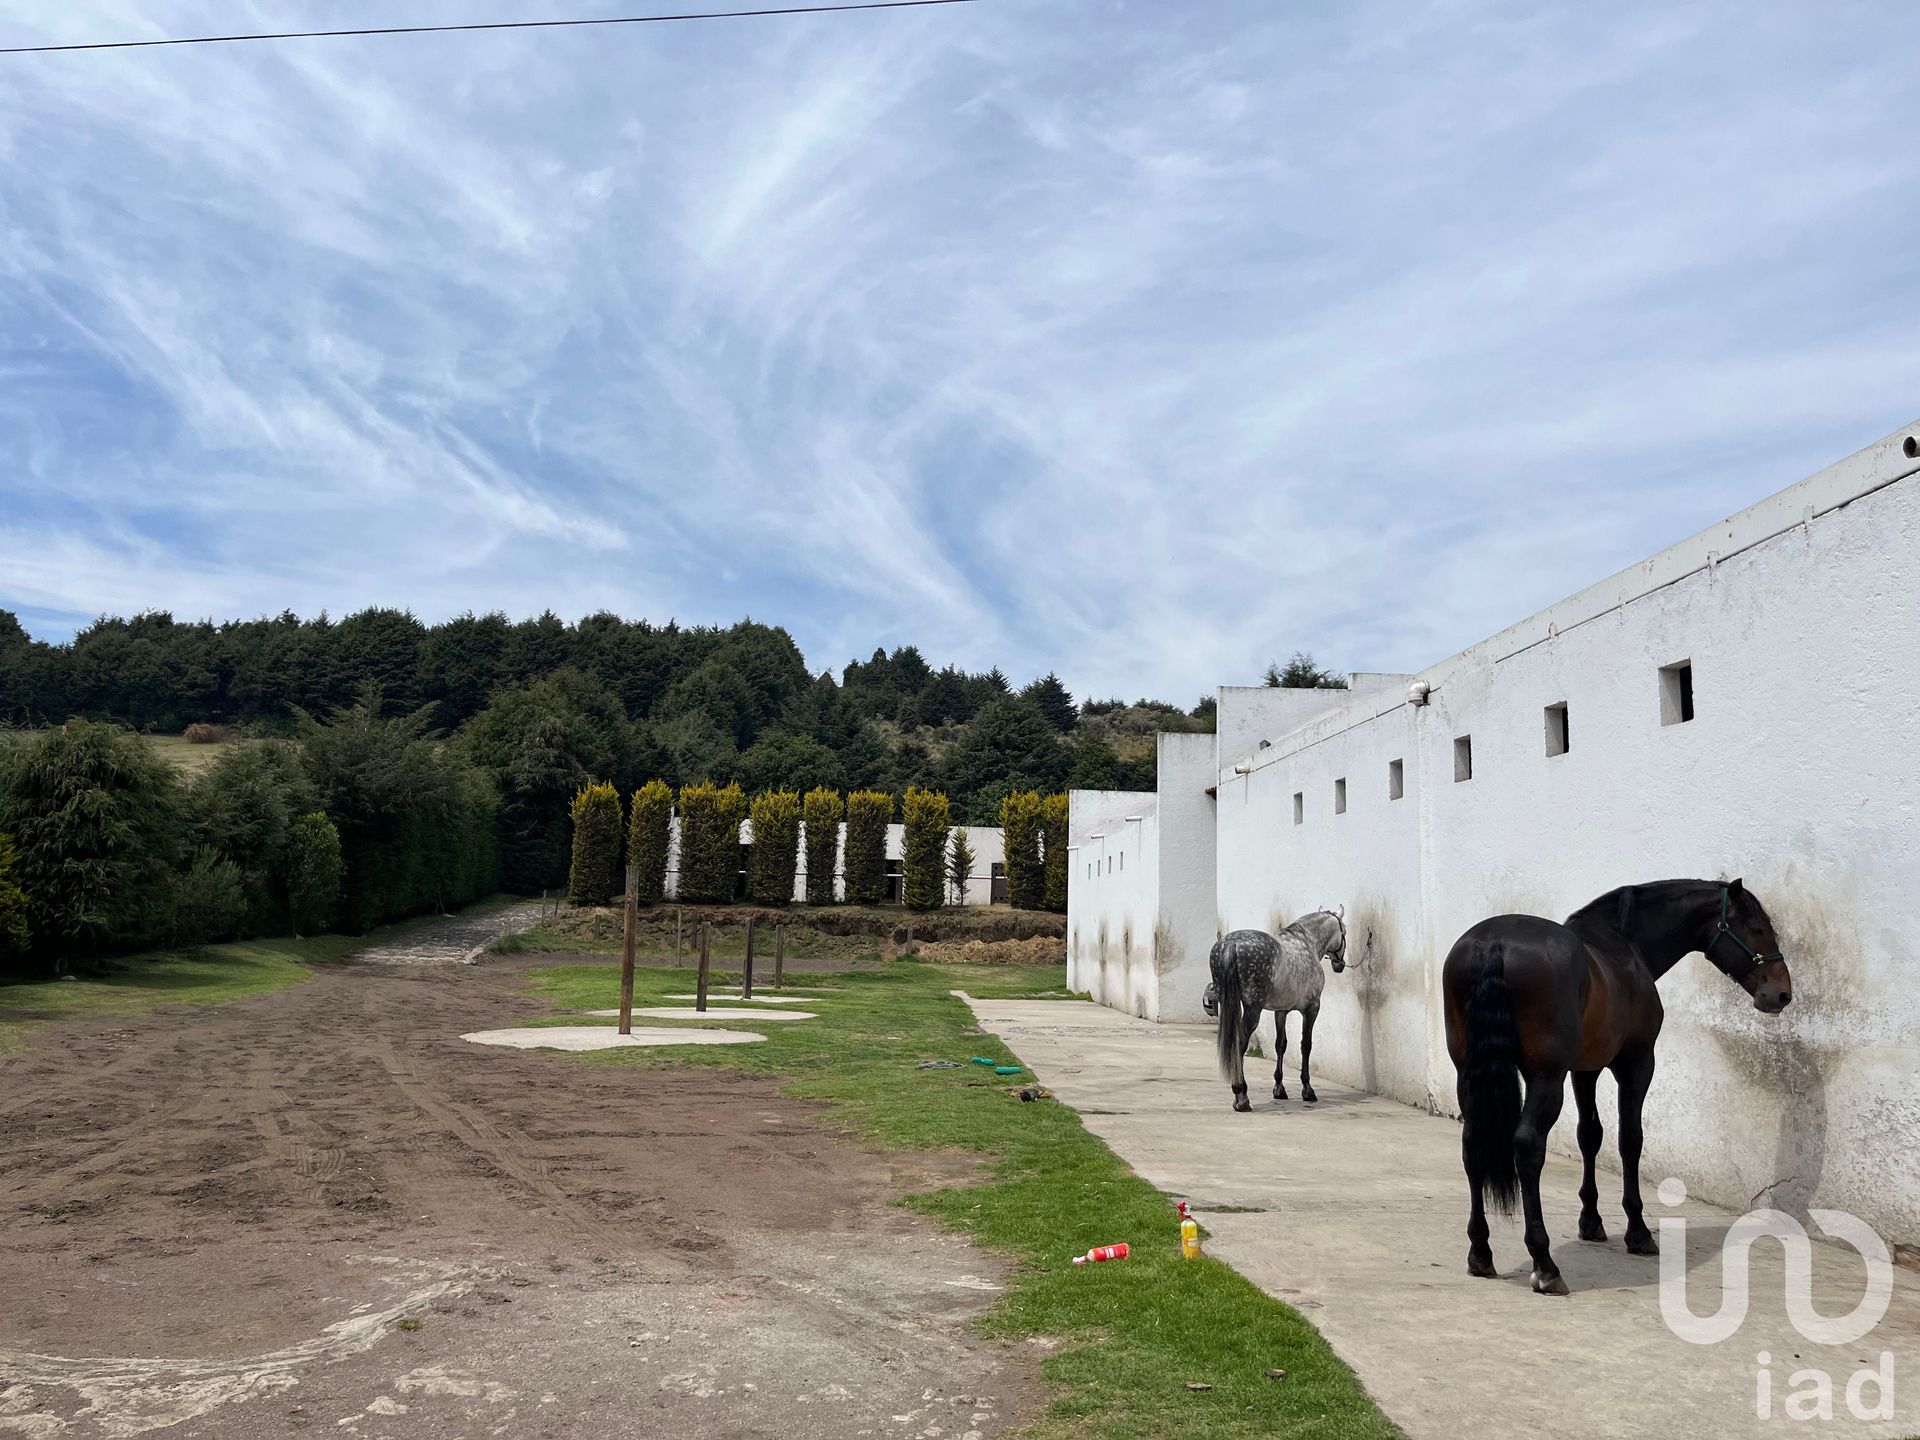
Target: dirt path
(216,1218)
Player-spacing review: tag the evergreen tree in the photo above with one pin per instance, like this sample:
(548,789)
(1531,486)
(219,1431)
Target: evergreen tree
(1302,673)
(649,836)
(960,865)
(594,876)
(924,849)
(1054,702)
(1020,821)
(710,817)
(821,811)
(15,936)
(98,827)
(243,809)
(869,813)
(1010,742)
(775,857)
(1053,840)
(313,874)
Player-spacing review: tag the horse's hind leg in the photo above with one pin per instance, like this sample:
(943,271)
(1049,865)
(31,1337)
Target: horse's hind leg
(1479,1241)
(1307,1017)
(1545,1095)
(1591,1134)
(1279,1054)
(1634,1072)
(1249,1018)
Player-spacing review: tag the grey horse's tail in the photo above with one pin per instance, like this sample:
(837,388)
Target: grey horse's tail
(1233,1034)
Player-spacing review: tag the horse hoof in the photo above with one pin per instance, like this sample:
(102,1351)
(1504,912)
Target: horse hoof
(1481,1266)
(1278,1093)
(1642,1245)
(1595,1234)
(1240,1102)
(1556,1286)
(1309,1097)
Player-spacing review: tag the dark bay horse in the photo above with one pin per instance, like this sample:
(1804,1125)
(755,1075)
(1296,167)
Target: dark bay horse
(1529,999)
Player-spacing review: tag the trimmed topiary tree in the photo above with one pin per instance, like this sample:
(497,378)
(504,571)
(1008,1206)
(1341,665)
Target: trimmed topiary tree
(822,812)
(869,812)
(1053,859)
(594,876)
(314,869)
(924,851)
(649,836)
(710,817)
(960,865)
(776,847)
(1020,832)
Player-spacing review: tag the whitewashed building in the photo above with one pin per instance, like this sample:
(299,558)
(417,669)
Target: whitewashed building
(1745,703)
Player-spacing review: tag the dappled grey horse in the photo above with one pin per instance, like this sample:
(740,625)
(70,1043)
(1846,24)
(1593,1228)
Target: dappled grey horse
(1255,971)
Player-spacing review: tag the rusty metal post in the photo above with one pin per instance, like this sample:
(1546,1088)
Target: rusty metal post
(746,969)
(779,954)
(632,908)
(700,997)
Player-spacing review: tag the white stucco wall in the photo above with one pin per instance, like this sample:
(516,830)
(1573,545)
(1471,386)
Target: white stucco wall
(1800,772)
(1113,897)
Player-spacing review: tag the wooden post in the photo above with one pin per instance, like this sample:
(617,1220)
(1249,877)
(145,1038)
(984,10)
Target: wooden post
(746,970)
(909,949)
(779,954)
(676,932)
(626,950)
(700,997)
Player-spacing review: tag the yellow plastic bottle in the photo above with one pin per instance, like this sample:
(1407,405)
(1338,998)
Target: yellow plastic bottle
(1189,1239)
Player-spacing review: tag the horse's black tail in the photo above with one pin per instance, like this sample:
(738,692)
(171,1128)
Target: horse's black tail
(1233,1035)
(1490,1082)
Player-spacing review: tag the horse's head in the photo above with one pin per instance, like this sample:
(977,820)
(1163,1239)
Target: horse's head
(1744,948)
(1210,1000)
(1330,934)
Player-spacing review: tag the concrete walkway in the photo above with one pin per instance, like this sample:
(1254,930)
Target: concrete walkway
(1361,1225)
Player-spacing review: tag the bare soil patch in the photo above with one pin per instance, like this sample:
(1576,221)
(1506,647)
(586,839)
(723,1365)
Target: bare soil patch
(217,1219)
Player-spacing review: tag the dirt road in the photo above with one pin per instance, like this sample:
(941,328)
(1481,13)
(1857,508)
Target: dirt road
(226,1221)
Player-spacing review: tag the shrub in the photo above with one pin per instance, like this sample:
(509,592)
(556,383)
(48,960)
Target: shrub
(14,934)
(869,812)
(417,821)
(776,847)
(313,874)
(649,835)
(960,865)
(822,812)
(97,824)
(924,851)
(209,900)
(243,808)
(1020,832)
(594,876)
(710,841)
(201,733)
(1053,837)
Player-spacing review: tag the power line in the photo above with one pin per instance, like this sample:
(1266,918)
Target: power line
(483,25)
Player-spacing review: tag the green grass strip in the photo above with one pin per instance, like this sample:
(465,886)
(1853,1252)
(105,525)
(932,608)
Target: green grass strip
(1131,1334)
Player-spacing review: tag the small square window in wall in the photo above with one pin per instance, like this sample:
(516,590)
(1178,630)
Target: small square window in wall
(1557,729)
(1462,757)
(1396,779)
(1340,796)
(1676,693)
(1299,808)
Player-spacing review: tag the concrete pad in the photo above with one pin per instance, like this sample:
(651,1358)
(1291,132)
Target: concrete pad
(605,1037)
(712,1012)
(1365,1231)
(784,998)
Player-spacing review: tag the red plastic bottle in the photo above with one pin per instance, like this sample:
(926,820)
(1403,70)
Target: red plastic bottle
(1102,1252)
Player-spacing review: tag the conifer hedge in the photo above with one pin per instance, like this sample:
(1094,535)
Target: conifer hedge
(928,821)
(313,874)
(594,876)
(869,812)
(710,817)
(649,836)
(1020,831)
(1053,839)
(822,812)
(775,857)
(14,933)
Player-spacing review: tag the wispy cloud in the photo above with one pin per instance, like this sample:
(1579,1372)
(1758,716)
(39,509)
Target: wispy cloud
(1140,342)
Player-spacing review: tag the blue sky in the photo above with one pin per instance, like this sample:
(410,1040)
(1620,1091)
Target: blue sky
(1143,342)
